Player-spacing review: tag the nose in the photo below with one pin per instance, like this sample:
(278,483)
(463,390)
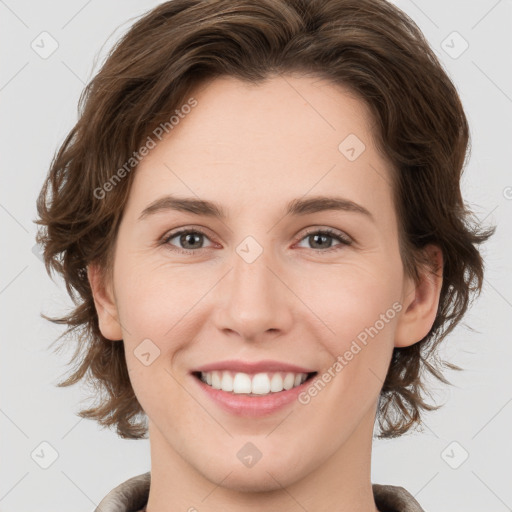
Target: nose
(254,300)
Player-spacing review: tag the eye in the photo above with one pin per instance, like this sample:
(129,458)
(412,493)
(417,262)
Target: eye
(321,237)
(190,238)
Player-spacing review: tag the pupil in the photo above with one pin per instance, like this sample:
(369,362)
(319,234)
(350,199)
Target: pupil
(315,237)
(185,237)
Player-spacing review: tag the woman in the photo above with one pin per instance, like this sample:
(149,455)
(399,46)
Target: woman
(260,211)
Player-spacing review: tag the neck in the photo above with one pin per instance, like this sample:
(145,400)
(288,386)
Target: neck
(341,482)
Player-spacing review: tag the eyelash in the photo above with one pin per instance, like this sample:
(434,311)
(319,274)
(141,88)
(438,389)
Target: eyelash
(331,233)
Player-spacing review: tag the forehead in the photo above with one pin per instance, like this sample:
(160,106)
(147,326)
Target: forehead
(282,112)
(285,137)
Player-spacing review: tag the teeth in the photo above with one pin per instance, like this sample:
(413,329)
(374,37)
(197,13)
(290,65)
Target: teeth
(257,384)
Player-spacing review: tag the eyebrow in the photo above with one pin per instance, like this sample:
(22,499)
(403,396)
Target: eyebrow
(295,207)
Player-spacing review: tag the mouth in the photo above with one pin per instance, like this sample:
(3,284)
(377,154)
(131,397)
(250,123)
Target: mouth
(253,384)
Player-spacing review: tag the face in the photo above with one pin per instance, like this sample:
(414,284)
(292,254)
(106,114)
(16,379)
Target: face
(281,276)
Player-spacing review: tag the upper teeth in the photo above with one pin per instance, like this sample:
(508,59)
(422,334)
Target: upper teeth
(259,383)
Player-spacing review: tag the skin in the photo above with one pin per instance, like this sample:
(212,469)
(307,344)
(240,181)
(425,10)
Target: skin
(252,149)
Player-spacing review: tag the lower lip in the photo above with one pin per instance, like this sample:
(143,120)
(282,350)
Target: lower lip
(251,406)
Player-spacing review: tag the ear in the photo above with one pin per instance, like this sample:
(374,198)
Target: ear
(420,301)
(104,301)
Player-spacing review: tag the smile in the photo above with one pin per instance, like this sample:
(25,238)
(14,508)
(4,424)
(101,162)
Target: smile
(238,399)
(259,384)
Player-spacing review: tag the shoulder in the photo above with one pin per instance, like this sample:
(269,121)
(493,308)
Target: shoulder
(129,495)
(393,498)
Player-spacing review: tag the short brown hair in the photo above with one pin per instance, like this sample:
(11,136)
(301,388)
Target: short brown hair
(368,46)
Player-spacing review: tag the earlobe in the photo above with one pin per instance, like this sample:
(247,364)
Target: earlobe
(420,301)
(105,304)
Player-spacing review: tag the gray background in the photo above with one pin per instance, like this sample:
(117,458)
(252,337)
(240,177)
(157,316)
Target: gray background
(38,98)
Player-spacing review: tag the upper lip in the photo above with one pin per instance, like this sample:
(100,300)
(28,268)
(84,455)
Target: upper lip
(253,367)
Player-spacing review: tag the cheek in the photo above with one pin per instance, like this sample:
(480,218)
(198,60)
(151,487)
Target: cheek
(360,307)
(352,298)
(153,301)
(161,312)
(153,310)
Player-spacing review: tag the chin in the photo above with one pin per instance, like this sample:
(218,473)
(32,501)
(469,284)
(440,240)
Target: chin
(247,481)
